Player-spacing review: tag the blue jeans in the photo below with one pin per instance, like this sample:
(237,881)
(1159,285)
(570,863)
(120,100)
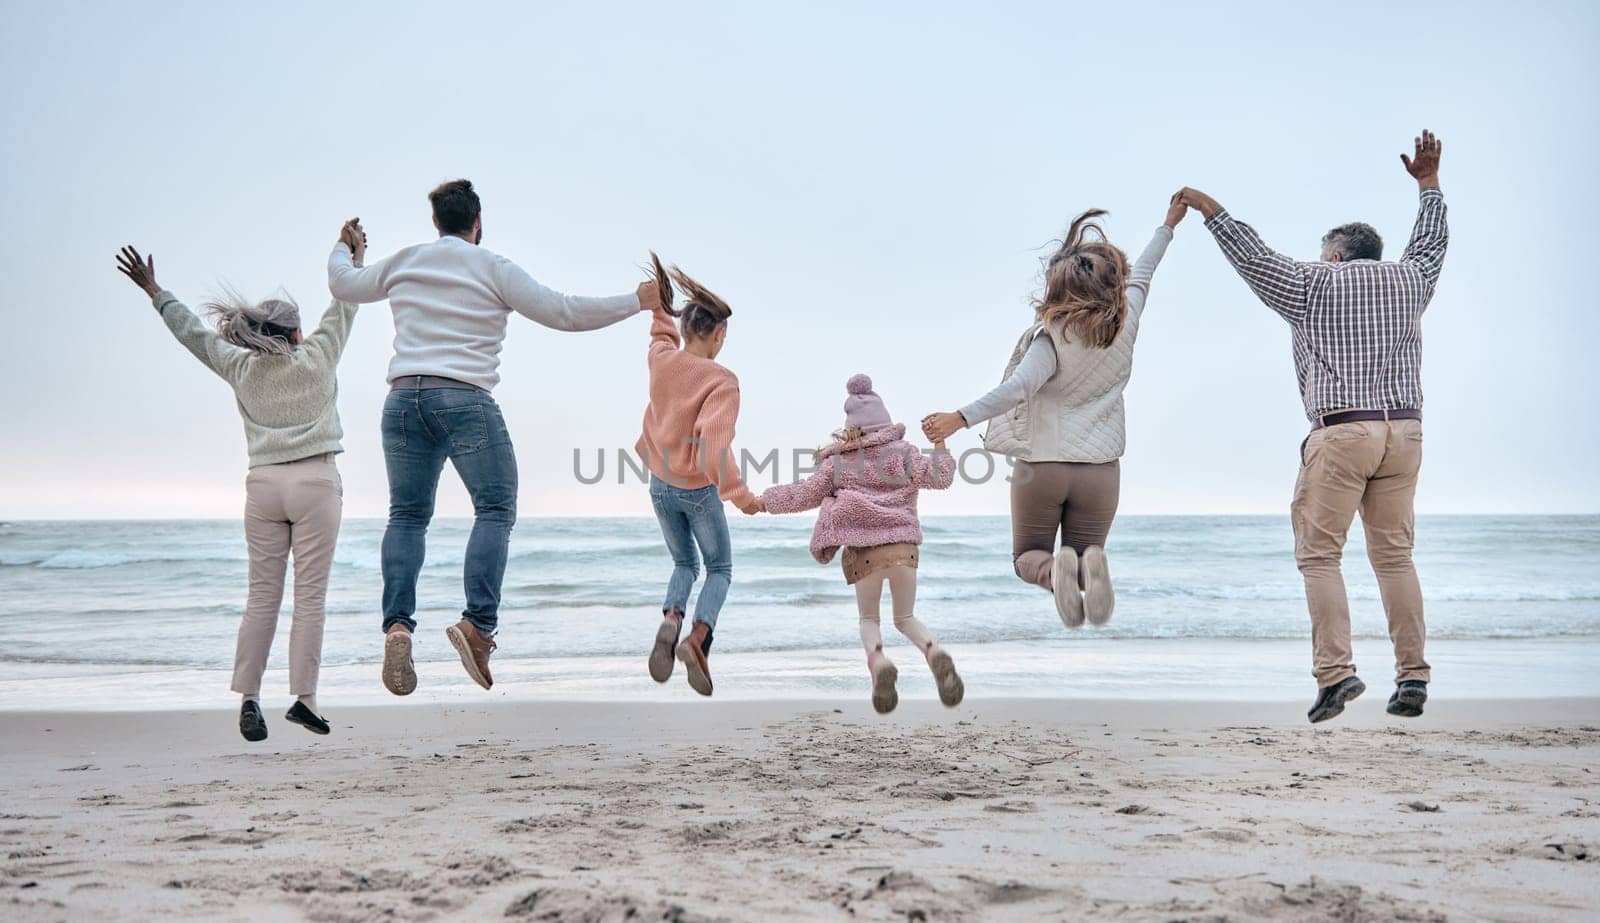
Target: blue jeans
(689,518)
(421,428)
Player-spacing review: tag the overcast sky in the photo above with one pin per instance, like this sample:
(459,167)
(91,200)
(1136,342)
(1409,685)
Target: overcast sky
(867,184)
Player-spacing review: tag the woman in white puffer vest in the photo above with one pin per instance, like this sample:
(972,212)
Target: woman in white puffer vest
(1058,414)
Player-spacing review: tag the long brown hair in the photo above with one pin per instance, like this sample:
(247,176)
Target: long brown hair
(1085,284)
(704,311)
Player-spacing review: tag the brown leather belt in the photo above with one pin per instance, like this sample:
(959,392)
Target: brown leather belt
(1363,416)
(419,382)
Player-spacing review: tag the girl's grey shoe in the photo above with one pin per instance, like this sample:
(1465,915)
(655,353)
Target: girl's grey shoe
(1064,584)
(1098,597)
(884,695)
(951,689)
(1408,699)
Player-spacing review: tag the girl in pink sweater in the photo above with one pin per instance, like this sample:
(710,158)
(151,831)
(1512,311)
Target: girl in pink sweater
(866,485)
(687,443)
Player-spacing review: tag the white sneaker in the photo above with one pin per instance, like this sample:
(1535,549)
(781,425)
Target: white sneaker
(1064,579)
(1098,597)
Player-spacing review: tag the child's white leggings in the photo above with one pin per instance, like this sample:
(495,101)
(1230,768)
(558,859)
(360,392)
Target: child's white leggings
(902,582)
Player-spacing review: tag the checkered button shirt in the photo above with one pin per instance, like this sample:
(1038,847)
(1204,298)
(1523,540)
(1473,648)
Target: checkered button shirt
(1357,325)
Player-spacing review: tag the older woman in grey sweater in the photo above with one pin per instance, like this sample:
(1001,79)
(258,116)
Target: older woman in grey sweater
(1058,414)
(286,390)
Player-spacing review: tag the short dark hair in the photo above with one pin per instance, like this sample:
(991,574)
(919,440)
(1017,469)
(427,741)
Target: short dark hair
(1356,241)
(455,206)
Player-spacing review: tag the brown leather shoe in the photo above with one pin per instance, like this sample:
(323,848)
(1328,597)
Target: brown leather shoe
(666,640)
(399,674)
(474,647)
(692,654)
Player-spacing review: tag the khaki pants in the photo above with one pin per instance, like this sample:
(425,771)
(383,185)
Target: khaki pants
(292,507)
(1371,468)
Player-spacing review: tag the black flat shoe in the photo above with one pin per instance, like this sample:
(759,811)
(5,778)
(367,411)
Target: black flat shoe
(1408,699)
(252,724)
(299,714)
(1331,699)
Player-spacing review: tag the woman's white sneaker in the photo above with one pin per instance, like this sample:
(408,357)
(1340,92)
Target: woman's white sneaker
(1098,597)
(1064,584)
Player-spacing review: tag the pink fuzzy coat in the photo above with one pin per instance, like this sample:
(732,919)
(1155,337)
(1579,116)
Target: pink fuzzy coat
(867,491)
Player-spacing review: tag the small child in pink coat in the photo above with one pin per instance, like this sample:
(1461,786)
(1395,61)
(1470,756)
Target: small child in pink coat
(866,485)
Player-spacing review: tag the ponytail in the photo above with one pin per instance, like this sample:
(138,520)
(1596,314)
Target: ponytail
(703,312)
(266,328)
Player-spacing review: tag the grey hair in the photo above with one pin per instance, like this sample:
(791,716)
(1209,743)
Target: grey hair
(266,327)
(1355,241)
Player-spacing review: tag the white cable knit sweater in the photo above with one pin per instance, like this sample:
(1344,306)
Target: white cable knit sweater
(450,300)
(1075,414)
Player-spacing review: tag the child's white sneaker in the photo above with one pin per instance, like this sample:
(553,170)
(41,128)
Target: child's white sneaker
(884,696)
(1064,584)
(1098,597)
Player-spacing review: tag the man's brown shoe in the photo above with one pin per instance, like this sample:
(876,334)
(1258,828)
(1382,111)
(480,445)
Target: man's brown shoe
(474,647)
(692,654)
(399,675)
(666,640)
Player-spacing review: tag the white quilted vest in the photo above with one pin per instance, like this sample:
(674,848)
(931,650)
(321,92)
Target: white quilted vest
(1077,416)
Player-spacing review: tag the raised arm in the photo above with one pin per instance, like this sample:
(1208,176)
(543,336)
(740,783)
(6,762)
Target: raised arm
(806,495)
(333,331)
(1276,279)
(1431,235)
(1144,268)
(541,304)
(348,280)
(1037,365)
(189,330)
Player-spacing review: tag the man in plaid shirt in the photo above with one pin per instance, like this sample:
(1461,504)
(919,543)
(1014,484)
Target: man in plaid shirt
(1357,325)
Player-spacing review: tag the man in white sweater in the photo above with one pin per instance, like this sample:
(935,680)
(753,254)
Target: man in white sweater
(451,299)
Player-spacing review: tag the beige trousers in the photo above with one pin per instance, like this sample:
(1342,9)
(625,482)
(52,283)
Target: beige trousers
(1369,468)
(902,580)
(293,507)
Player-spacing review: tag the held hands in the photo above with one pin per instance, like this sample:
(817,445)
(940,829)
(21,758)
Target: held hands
(1423,164)
(354,236)
(1191,197)
(756,506)
(1175,212)
(941,426)
(142,270)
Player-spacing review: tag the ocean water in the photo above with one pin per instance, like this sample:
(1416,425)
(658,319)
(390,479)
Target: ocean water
(107,613)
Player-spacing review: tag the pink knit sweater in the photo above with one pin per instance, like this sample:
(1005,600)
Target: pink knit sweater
(688,424)
(867,491)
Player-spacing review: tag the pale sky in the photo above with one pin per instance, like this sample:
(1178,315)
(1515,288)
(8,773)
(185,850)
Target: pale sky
(868,185)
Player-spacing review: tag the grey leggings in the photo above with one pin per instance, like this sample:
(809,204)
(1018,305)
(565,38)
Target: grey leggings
(1075,499)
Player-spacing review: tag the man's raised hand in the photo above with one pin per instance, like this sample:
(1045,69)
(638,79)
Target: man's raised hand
(1423,164)
(354,236)
(140,269)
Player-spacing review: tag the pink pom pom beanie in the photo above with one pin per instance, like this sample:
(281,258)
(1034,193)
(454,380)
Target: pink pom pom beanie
(864,408)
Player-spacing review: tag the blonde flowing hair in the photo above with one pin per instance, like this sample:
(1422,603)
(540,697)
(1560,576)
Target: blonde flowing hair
(267,327)
(1085,285)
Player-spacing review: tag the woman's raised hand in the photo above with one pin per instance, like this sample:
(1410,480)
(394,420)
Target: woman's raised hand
(142,270)
(1176,209)
(941,426)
